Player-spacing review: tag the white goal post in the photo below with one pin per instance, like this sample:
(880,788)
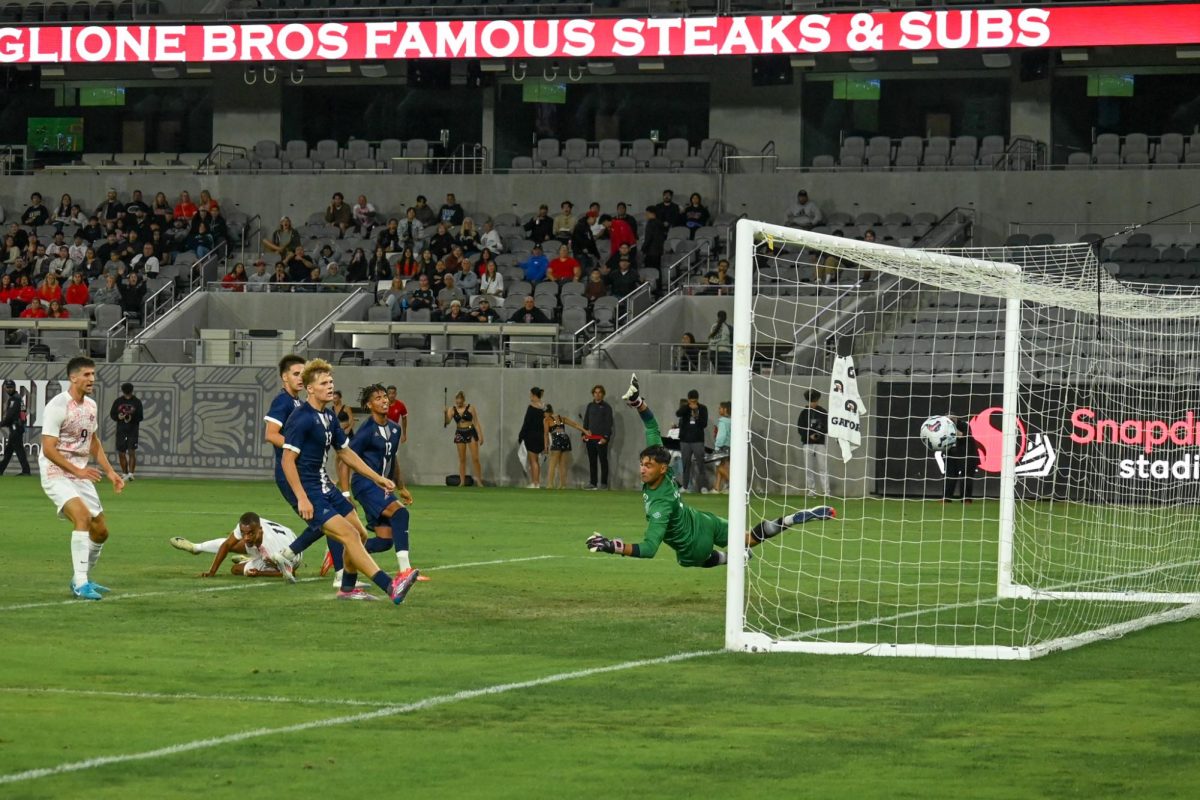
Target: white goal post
(1068,510)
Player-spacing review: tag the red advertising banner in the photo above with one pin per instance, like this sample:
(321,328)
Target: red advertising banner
(913,31)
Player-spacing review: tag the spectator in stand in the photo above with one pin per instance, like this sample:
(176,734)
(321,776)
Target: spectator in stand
(411,231)
(614,261)
(422,297)
(693,427)
(35,310)
(689,353)
(36,215)
(451,213)
(62,215)
(24,295)
(864,274)
(206,201)
(529,313)
(77,291)
(50,289)
(455,313)
(398,413)
(596,287)
(299,265)
(536,265)
(161,209)
(393,298)
(109,293)
(427,264)
(593,220)
(92,267)
(407,265)
(437,281)
(468,237)
(235,280)
(467,279)
(454,259)
(486,314)
(804,214)
(110,208)
(441,241)
(655,240)
(7,288)
(540,227)
(185,208)
(333,280)
(133,293)
(365,214)
(62,263)
(563,266)
(623,214)
(77,249)
(485,257)
(564,223)
(624,280)
(312,283)
(259,280)
(40,262)
(389,238)
(583,243)
(359,268)
(11,251)
(720,345)
(56,310)
(619,233)
(77,216)
(20,237)
(92,232)
(490,240)
(217,226)
(284,240)
(281,279)
(339,215)
(667,212)
(141,225)
(492,282)
(135,204)
(200,242)
(450,293)
(720,280)
(598,420)
(696,215)
(424,213)
(146,261)
(325,257)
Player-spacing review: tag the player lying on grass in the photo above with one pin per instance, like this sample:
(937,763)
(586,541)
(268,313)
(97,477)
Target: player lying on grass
(310,431)
(693,535)
(253,537)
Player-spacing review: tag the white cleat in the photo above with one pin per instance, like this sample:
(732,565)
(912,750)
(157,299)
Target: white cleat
(180,543)
(286,567)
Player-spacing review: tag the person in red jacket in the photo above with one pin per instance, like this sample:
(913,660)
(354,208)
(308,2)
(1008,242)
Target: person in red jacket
(24,295)
(619,233)
(185,208)
(50,289)
(35,310)
(56,311)
(7,288)
(563,267)
(77,291)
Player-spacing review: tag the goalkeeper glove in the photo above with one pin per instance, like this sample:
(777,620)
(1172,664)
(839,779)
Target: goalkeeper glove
(633,395)
(599,544)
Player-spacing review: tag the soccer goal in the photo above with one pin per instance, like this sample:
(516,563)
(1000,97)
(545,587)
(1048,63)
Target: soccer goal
(1067,509)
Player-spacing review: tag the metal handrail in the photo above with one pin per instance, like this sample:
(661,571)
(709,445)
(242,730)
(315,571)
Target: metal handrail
(154,305)
(215,161)
(340,308)
(197,278)
(248,233)
(120,326)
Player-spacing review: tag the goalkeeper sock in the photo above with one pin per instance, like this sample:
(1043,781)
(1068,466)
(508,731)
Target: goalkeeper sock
(349,579)
(716,558)
(769,528)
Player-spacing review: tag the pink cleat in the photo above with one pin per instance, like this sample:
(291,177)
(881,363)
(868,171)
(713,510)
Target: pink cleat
(355,594)
(402,583)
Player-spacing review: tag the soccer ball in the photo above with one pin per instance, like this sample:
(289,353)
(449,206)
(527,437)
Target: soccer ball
(939,433)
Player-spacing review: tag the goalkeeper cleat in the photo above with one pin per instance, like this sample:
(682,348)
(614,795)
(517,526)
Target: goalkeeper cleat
(98,588)
(402,583)
(180,543)
(813,514)
(633,395)
(327,564)
(85,592)
(356,594)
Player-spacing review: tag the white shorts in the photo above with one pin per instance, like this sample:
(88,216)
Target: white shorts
(63,490)
(258,565)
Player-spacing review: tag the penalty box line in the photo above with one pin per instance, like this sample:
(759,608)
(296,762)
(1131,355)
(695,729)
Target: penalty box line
(252,583)
(348,719)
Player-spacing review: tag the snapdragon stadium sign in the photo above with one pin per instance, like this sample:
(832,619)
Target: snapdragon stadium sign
(615,37)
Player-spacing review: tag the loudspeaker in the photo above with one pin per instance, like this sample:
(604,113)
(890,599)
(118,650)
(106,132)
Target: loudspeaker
(770,70)
(429,74)
(1035,65)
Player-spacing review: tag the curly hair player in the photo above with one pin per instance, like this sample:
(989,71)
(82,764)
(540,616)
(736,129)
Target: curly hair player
(693,535)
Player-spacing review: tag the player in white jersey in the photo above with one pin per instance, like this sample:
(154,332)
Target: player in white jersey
(254,537)
(69,442)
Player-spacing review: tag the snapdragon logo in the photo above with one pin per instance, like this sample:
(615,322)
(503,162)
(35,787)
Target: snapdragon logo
(1148,434)
(1036,455)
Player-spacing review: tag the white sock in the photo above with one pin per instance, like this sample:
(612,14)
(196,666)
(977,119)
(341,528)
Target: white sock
(80,557)
(402,560)
(94,549)
(211,546)
(288,554)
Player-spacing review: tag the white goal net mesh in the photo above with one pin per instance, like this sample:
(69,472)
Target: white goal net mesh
(1095,532)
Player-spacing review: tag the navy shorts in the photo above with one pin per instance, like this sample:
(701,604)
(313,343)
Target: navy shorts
(326,507)
(373,500)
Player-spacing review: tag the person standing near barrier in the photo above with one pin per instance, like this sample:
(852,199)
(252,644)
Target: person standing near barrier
(598,420)
(813,426)
(13,418)
(693,426)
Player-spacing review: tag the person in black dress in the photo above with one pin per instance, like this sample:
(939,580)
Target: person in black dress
(533,436)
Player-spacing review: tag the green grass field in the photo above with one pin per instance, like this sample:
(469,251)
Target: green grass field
(526,668)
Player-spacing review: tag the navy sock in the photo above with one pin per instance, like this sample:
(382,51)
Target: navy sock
(400,529)
(305,540)
(383,581)
(349,579)
(336,551)
(377,544)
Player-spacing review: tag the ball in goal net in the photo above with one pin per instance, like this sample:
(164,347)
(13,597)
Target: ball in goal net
(1068,509)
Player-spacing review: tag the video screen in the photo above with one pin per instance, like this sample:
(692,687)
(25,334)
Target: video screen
(542,92)
(848,87)
(102,96)
(55,134)
(1108,84)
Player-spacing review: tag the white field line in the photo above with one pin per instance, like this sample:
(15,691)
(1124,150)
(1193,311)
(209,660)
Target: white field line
(389,711)
(251,583)
(221,698)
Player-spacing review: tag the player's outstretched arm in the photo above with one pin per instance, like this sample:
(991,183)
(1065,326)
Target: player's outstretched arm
(656,529)
(229,544)
(354,462)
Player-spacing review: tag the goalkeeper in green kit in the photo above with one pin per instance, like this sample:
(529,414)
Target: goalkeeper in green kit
(693,535)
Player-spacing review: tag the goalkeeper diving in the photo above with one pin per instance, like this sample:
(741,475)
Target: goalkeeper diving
(693,535)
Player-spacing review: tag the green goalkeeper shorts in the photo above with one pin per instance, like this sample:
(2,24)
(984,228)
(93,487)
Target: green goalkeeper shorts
(708,533)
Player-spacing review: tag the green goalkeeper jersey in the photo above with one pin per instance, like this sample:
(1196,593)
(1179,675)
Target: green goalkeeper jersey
(690,533)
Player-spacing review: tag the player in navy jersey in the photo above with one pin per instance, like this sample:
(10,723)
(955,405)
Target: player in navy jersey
(376,443)
(307,436)
(291,368)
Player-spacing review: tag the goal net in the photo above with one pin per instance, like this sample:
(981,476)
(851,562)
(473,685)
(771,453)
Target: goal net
(1066,511)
